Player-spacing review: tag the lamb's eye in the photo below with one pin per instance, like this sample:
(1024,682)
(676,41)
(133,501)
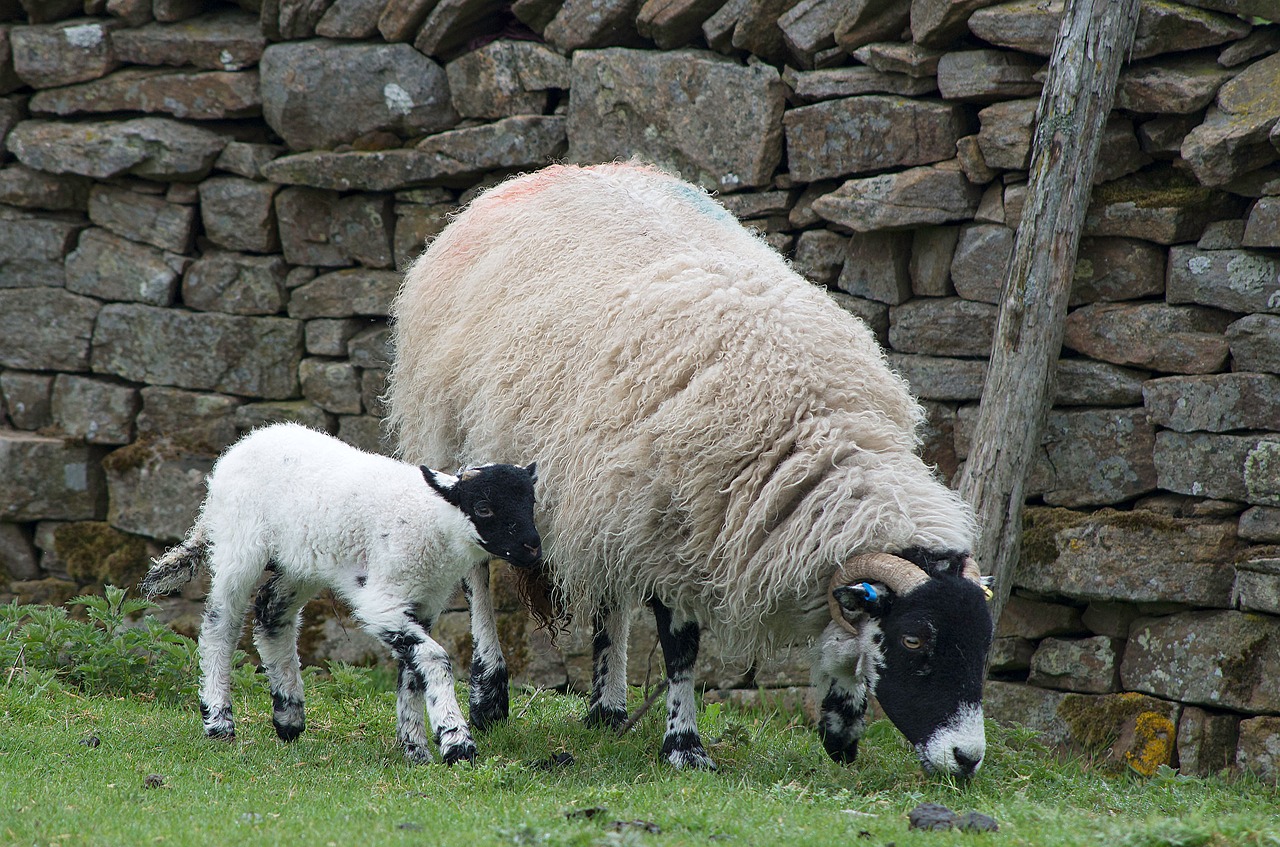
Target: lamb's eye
(484,510)
(912,642)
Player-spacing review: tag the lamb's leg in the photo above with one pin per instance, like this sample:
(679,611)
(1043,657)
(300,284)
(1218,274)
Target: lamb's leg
(840,668)
(489,697)
(224,609)
(425,674)
(610,626)
(278,614)
(679,639)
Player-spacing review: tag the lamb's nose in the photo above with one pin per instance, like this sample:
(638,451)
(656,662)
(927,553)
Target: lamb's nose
(965,764)
(534,550)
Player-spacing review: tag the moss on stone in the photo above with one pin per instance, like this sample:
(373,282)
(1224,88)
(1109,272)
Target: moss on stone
(1159,190)
(1096,722)
(1040,528)
(1153,739)
(1127,731)
(94,552)
(146,450)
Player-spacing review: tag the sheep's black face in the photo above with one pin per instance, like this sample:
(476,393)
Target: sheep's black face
(498,499)
(934,652)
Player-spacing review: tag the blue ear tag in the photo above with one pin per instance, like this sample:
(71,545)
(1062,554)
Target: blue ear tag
(871,594)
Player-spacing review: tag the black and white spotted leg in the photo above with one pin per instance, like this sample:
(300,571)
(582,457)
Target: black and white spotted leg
(224,611)
(679,639)
(277,617)
(426,676)
(610,628)
(845,670)
(489,699)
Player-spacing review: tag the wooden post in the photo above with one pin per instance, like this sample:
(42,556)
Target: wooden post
(1092,43)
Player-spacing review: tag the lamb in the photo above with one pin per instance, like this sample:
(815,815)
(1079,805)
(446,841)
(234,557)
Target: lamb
(393,540)
(726,445)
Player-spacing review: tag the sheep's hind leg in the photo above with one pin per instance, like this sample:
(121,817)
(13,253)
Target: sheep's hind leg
(278,614)
(679,639)
(489,699)
(220,628)
(610,627)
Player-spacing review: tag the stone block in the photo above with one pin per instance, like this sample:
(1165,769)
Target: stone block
(869,133)
(943,326)
(1137,557)
(99,411)
(235,283)
(415,226)
(344,294)
(1179,84)
(1235,280)
(452,23)
(194,417)
(1036,619)
(1258,750)
(820,255)
(1156,205)
(1258,586)
(981,261)
(50,479)
(365,432)
(1214,403)
(1172,339)
(1110,269)
(876,267)
(371,347)
(143,217)
(1110,619)
(1217,659)
(1255,343)
(874,315)
(157,486)
(940,378)
(373,387)
(333,386)
(353,19)
(1122,732)
(17,553)
(505,78)
(23,187)
(304,217)
(932,248)
(1263,225)
(835,83)
(1225,467)
(28,398)
(1260,524)
(109,267)
(246,159)
(329,336)
(401,21)
(222,40)
(388,87)
(1010,655)
(673,23)
(1084,382)
(1095,457)
(154,148)
(45,329)
(239,214)
(933,194)
(254,415)
(1016,704)
(185,93)
(32,247)
(361,227)
(51,55)
(255,357)
(1005,134)
(1085,665)
(654,105)
(1234,137)
(984,76)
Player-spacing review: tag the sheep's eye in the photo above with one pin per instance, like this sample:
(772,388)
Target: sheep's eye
(912,642)
(484,510)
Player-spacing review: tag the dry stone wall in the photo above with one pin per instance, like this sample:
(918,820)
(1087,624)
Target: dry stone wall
(205,208)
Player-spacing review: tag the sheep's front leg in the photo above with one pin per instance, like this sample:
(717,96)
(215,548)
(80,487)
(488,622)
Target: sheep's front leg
(844,671)
(489,700)
(610,627)
(679,639)
(277,617)
(426,674)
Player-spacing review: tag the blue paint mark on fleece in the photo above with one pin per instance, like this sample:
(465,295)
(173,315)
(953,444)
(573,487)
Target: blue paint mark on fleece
(698,199)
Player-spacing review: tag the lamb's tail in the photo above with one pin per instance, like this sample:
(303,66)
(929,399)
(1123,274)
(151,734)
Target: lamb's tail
(178,565)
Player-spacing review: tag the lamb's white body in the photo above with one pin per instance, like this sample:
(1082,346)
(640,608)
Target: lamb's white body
(322,514)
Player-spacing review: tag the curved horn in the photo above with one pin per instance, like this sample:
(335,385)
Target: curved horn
(971,571)
(899,574)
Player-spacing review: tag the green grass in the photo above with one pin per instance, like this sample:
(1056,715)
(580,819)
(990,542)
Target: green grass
(344,781)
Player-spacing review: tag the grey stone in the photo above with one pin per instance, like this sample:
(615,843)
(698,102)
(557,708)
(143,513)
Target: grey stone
(858,134)
(32,247)
(17,554)
(194,416)
(984,76)
(936,378)
(1263,226)
(1084,382)
(156,487)
(1259,747)
(505,78)
(836,83)
(1235,280)
(415,225)
(1111,619)
(868,21)
(109,267)
(239,214)
(1172,339)
(945,326)
(1261,42)
(9,80)
(223,40)
(1225,660)
(756,30)
(937,23)
(351,19)
(1215,403)
(977,171)
(23,187)
(981,261)
(932,248)
(1120,154)
(97,410)
(1234,138)
(143,217)
(13,110)
(654,105)
(385,87)
(27,397)
(1156,206)
(190,94)
(1260,524)
(304,217)
(933,194)
(401,21)
(235,283)
(254,357)
(1255,343)
(45,329)
(820,255)
(365,432)
(1117,269)
(756,204)
(451,23)
(1175,85)
(155,148)
(538,13)
(254,415)
(809,28)
(1095,457)
(876,267)
(897,57)
(1224,467)
(1010,655)
(344,294)
(674,23)
(1086,665)
(170,11)
(1136,557)
(1014,704)
(1257,586)
(1163,135)
(50,55)
(329,336)
(289,20)
(1222,235)
(246,159)
(371,347)
(50,479)
(373,387)
(1036,619)
(333,386)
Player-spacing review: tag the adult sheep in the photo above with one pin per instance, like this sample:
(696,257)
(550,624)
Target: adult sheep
(717,439)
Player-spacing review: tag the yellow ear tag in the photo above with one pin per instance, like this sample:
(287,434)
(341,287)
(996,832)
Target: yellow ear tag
(987,591)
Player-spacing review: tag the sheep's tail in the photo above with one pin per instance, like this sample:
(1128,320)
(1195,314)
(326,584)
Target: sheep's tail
(178,565)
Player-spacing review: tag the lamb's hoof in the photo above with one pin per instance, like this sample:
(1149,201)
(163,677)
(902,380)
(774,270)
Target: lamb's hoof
(600,716)
(465,752)
(840,750)
(693,758)
(417,754)
(221,733)
(288,732)
(490,712)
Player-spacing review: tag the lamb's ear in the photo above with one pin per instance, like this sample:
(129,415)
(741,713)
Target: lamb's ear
(446,485)
(532,469)
(863,598)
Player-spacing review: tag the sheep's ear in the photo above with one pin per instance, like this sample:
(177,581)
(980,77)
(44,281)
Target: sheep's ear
(446,485)
(863,598)
(532,469)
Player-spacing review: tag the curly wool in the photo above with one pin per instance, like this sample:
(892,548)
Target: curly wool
(711,429)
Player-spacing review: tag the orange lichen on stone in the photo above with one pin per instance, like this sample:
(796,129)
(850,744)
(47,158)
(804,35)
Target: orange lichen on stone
(1153,738)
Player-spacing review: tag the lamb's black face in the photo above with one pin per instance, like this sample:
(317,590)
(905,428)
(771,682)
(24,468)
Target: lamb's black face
(498,499)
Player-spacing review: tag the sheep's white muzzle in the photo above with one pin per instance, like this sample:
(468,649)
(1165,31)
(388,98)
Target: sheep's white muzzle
(958,746)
